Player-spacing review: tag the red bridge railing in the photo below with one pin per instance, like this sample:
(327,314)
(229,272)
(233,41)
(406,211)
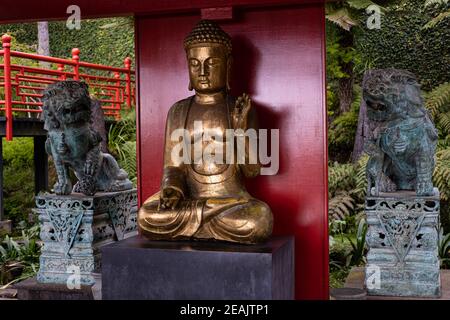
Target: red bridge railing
(23,85)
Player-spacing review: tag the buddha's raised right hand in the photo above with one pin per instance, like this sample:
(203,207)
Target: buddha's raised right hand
(170,198)
(241,111)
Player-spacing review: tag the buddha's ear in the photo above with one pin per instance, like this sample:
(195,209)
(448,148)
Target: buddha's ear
(190,86)
(229,63)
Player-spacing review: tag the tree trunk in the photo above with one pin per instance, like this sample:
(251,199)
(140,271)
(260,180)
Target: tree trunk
(345,85)
(43,42)
(345,90)
(362,132)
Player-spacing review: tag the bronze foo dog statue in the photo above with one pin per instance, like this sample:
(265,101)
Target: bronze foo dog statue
(403,141)
(73,142)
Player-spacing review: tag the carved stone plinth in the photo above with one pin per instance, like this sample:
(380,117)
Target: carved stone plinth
(74,227)
(402,237)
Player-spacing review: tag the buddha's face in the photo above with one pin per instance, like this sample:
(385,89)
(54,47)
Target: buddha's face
(208,68)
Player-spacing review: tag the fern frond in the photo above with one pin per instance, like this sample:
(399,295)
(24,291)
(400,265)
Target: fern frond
(433,22)
(361,179)
(443,121)
(441,175)
(359,4)
(438,98)
(340,177)
(340,206)
(342,18)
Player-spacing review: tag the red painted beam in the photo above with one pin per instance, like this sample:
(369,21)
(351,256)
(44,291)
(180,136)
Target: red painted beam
(33,10)
(222,13)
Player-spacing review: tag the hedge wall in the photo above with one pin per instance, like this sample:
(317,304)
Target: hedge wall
(403,43)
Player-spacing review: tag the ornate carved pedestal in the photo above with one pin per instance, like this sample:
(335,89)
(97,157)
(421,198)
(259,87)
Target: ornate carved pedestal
(74,227)
(402,239)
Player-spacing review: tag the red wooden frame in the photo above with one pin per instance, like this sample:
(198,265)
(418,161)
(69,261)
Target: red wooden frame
(279,61)
(12,11)
(270,33)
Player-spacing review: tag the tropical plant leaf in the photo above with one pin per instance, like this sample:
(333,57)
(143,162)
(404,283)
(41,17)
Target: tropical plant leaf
(443,244)
(433,22)
(360,4)
(342,18)
(357,255)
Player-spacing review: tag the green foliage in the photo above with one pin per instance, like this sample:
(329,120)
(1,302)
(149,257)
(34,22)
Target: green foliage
(346,191)
(346,14)
(23,33)
(356,256)
(435,21)
(19,258)
(18,178)
(18,153)
(341,16)
(122,143)
(438,103)
(441,16)
(435,2)
(443,248)
(127,159)
(337,56)
(337,277)
(441,175)
(108,45)
(403,43)
(342,130)
(438,98)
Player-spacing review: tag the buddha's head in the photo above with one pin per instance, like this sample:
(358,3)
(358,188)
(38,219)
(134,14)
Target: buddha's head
(208,51)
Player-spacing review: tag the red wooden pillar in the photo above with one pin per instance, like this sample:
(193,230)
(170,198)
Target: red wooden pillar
(6,42)
(127,64)
(76,59)
(279,59)
(61,70)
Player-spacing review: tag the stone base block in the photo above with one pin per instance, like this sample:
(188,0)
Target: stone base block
(31,289)
(74,227)
(355,284)
(406,281)
(402,238)
(137,268)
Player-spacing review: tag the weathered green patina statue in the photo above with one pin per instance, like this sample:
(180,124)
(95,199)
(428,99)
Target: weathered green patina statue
(73,142)
(403,140)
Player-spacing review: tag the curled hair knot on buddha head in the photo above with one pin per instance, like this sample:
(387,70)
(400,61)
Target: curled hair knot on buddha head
(207,32)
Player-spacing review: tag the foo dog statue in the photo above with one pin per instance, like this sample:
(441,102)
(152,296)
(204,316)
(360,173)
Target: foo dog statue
(73,142)
(403,140)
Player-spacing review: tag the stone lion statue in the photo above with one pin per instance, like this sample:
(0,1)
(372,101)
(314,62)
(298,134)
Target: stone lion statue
(73,142)
(403,138)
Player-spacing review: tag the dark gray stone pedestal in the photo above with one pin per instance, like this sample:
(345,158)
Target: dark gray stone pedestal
(137,268)
(31,289)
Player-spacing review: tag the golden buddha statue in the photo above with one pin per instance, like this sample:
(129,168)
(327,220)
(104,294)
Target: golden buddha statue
(205,199)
